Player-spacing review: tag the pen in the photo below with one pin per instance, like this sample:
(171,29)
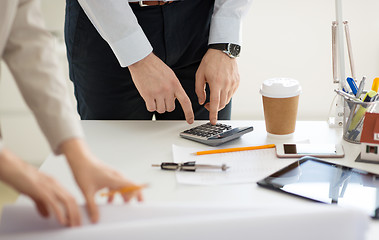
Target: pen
(226,150)
(361,87)
(348,96)
(127,189)
(352,85)
(189,166)
(352,99)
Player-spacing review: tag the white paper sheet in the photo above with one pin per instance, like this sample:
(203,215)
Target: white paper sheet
(184,221)
(245,166)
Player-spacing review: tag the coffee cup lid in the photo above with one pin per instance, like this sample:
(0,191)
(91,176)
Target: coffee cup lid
(280,88)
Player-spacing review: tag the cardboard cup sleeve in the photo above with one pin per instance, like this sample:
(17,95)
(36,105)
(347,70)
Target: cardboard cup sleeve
(280,114)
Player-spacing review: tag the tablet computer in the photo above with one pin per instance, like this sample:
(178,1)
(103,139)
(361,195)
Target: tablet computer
(325,182)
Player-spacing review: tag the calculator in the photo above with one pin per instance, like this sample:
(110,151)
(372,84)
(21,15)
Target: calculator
(214,135)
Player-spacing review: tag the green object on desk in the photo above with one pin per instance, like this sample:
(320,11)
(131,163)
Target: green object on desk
(361,110)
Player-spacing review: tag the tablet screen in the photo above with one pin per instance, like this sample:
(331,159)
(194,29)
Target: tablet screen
(329,183)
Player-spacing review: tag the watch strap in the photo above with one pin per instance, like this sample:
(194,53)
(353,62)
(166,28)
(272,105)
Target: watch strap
(219,46)
(232,50)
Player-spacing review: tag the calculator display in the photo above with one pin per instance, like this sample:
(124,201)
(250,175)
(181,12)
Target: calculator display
(227,133)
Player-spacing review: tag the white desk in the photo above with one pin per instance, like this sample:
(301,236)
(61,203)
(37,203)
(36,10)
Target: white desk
(132,146)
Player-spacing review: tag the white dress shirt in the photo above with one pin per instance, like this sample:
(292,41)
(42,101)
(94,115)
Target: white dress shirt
(28,50)
(117,24)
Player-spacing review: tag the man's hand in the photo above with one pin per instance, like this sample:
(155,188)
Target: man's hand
(91,175)
(48,195)
(159,86)
(221,74)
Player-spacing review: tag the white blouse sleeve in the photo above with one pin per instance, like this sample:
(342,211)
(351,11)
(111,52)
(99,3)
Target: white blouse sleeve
(31,57)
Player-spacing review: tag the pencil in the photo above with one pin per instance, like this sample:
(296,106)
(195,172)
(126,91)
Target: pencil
(226,150)
(124,190)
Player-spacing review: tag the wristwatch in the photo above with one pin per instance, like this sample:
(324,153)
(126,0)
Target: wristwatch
(232,50)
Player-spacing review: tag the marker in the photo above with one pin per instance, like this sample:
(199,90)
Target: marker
(369,96)
(123,190)
(352,85)
(375,85)
(226,150)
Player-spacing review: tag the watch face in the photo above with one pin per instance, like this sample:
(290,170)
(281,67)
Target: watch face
(234,49)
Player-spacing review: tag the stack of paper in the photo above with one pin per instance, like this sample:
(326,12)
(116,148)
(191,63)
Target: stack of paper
(183,221)
(244,166)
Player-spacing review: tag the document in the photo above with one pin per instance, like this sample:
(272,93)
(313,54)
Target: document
(244,166)
(188,222)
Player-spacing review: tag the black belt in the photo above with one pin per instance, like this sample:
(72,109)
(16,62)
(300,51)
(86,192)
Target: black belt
(152,3)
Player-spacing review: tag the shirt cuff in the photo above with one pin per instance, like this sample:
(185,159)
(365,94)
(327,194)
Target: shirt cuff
(132,49)
(225,30)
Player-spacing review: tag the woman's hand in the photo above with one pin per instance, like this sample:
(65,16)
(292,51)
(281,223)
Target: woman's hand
(91,175)
(48,195)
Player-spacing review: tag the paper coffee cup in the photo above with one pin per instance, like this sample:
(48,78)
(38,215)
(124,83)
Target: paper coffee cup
(280,98)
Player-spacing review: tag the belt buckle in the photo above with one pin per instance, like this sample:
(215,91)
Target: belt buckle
(142,4)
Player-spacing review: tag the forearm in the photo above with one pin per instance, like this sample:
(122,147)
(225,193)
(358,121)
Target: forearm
(77,153)
(12,168)
(5,165)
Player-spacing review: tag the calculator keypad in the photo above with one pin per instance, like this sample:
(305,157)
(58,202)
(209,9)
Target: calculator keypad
(214,135)
(208,130)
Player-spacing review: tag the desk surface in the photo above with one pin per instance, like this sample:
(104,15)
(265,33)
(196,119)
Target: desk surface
(132,146)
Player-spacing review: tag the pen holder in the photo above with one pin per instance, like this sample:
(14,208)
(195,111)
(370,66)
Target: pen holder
(354,114)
